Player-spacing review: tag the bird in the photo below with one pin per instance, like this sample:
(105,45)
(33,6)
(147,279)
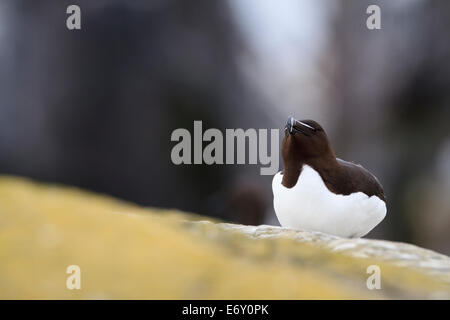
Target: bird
(316,191)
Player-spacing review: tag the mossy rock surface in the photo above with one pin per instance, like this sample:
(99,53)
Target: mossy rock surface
(129,252)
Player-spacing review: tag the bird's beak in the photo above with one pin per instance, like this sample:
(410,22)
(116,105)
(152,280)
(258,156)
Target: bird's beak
(294,126)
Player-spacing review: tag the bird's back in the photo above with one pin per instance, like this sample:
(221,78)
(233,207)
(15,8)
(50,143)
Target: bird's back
(359,178)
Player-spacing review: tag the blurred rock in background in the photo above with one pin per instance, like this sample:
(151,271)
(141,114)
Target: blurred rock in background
(392,108)
(96,108)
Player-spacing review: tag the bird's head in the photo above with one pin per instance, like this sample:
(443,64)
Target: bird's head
(304,140)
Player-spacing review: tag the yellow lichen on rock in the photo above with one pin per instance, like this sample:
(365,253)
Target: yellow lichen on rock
(128,252)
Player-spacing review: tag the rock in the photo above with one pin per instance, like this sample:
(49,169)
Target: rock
(125,251)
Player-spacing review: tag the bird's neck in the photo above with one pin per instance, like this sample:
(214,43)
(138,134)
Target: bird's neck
(293,168)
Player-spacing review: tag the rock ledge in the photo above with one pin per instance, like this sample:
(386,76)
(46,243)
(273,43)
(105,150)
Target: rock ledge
(129,252)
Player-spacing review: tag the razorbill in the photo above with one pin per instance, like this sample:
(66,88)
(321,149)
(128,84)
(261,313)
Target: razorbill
(318,192)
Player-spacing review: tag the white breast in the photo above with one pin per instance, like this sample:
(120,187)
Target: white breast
(309,205)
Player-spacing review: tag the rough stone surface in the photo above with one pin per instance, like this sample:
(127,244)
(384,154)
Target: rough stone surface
(397,253)
(125,251)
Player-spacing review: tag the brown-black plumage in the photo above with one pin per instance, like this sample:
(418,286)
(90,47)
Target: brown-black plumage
(306,142)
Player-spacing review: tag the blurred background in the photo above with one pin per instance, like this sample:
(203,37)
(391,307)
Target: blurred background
(95,108)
